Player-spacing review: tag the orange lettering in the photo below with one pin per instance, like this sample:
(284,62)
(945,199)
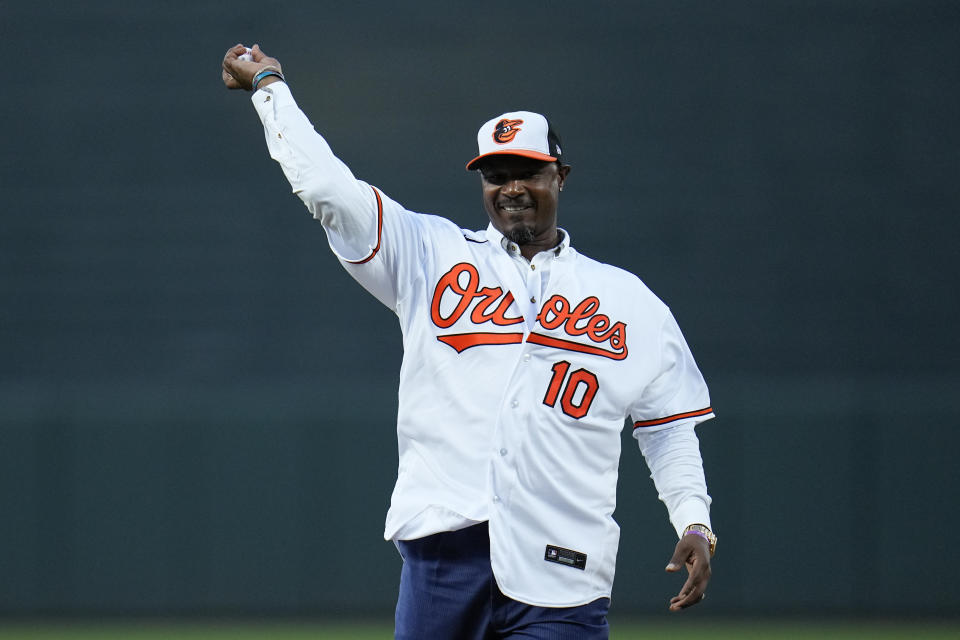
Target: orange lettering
(468,293)
(559,307)
(583,320)
(585,309)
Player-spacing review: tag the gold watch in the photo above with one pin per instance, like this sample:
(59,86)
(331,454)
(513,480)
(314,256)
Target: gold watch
(704,532)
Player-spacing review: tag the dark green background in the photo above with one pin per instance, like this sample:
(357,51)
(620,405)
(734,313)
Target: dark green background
(197,404)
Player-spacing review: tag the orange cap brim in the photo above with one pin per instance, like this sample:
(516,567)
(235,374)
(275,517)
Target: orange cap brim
(515,152)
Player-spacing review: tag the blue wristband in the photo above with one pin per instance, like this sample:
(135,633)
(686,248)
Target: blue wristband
(265,73)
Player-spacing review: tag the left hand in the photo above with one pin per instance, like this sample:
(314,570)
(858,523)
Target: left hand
(694,552)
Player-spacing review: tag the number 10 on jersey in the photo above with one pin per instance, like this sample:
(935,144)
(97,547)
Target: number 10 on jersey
(575,391)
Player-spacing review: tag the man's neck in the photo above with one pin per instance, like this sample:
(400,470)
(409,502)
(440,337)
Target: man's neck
(534,247)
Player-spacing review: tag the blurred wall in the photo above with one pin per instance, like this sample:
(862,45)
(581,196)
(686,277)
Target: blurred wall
(197,404)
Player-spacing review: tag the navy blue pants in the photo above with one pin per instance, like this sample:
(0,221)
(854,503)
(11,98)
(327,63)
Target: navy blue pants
(448,592)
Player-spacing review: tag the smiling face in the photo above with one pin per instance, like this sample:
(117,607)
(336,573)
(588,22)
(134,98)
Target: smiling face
(521,196)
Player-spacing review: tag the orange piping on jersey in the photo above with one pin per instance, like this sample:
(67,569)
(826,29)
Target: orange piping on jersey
(379,230)
(569,345)
(463,341)
(673,418)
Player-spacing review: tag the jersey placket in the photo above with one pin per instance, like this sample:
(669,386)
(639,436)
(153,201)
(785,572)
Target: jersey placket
(535,274)
(509,444)
(506,433)
(520,399)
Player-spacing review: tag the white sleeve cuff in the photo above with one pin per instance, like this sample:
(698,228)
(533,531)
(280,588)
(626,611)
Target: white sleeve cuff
(270,98)
(691,511)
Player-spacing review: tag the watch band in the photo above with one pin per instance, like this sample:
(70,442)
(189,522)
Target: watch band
(704,532)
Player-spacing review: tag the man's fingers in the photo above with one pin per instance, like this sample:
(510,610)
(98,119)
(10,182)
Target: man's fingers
(239,74)
(676,562)
(230,63)
(690,587)
(229,59)
(233,53)
(230,81)
(678,603)
(682,602)
(232,57)
(691,594)
(236,72)
(692,552)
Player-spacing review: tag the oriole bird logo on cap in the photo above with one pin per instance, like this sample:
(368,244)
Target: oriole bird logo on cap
(506,130)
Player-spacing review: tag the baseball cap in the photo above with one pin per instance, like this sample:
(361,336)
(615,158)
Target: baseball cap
(519,133)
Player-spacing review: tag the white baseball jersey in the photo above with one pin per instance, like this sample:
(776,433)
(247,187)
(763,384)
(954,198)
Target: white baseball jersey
(516,380)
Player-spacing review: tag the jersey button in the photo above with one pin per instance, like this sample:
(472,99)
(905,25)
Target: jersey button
(503,452)
(533,267)
(526,357)
(515,404)
(496,499)
(533,299)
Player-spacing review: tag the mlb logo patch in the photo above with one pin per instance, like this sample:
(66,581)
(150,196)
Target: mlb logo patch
(566,557)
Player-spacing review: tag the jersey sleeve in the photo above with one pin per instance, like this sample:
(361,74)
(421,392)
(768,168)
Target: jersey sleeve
(678,391)
(664,418)
(362,224)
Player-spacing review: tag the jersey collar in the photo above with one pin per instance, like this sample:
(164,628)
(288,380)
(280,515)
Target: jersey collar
(495,237)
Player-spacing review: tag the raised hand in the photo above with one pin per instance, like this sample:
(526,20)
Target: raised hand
(238,74)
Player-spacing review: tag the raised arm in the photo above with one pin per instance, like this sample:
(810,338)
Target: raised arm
(349,209)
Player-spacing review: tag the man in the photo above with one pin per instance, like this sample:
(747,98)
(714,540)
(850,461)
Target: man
(522,360)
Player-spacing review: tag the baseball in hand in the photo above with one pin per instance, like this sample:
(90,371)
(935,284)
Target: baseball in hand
(248,56)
